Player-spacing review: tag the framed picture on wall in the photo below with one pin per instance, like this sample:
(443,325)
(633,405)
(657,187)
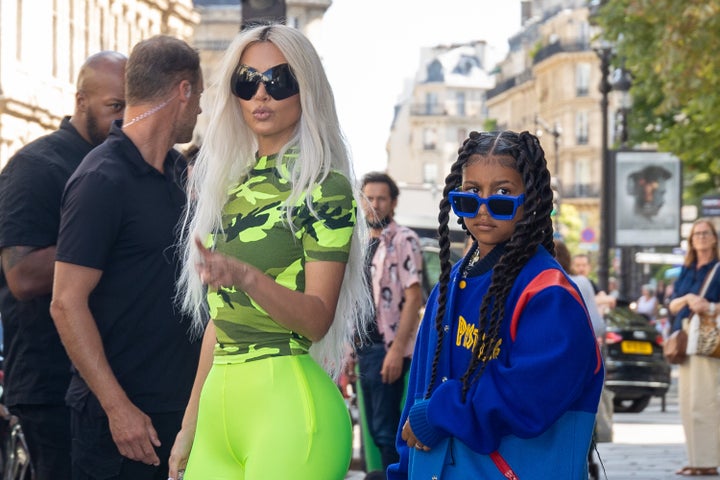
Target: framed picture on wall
(648,188)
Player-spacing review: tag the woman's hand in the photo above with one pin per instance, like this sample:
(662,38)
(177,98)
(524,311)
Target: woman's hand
(179,454)
(410,438)
(217,270)
(696,303)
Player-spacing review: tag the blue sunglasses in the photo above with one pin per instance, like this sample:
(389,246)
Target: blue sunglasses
(500,207)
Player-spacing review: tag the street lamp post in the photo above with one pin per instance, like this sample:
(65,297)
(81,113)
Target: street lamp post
(621,82)
(605,54)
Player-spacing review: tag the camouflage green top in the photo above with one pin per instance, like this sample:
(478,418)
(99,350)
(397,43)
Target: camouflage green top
(256,232)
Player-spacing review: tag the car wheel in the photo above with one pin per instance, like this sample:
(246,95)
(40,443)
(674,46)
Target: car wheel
(634,405)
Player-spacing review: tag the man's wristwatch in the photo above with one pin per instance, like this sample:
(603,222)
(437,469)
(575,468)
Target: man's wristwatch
(711,308)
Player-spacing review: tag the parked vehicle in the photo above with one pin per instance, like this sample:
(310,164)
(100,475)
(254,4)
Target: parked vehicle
(431,262)
(635,369)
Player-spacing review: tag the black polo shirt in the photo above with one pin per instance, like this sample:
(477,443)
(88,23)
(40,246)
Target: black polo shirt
(37,369)
(120,215)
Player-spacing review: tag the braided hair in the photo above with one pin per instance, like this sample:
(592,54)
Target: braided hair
(528,158)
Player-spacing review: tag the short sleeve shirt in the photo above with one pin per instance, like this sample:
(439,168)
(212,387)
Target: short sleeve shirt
(396,266)
(255,231)
(120,215)
(36,367)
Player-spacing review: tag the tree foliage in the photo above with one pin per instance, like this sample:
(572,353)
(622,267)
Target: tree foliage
(672,50)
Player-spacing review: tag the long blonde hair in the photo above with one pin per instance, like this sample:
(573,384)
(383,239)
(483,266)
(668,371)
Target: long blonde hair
(228,153)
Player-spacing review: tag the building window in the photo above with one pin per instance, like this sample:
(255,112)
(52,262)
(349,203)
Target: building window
(429,139)
(583,187)
(430,173)
(582,79)
(461,104)
(431,103)
(581,128)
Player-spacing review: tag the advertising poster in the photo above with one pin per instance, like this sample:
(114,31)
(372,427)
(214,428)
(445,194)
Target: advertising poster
(647,200)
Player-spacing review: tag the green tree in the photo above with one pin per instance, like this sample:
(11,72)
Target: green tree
(672,50)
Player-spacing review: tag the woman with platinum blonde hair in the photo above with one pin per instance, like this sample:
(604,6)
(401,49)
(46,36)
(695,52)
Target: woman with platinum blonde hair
(274,258)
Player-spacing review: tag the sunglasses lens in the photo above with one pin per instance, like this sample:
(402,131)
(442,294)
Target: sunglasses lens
(246,90)
(279,82)
(282,83)
(501,206)
(244,82)
(465,205)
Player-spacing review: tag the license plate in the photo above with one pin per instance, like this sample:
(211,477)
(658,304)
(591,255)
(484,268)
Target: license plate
(636,348)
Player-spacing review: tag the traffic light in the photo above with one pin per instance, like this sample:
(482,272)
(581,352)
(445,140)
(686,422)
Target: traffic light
(259,12)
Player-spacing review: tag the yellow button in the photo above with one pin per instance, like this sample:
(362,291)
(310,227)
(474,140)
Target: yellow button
(462,284)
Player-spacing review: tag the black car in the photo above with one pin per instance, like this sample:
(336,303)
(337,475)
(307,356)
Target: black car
(635,369)
(431,262)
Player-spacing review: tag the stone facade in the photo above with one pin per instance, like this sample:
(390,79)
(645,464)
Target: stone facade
(445,102)
(44,43)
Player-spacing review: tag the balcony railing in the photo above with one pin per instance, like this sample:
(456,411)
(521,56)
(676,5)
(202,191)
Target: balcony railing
(450,108)
(581,190)
(560,47)
(420,109)
(509,83)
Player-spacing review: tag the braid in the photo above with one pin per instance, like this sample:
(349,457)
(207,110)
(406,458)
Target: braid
(531,164)
(452,181)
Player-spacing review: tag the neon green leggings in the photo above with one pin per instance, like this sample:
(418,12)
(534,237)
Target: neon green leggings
(273,419)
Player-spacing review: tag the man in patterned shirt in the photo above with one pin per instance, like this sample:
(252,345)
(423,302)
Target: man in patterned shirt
(394,276)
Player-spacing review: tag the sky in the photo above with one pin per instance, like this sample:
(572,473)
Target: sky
(371,48)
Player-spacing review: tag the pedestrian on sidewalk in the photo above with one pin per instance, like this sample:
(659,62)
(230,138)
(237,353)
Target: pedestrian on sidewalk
(507,373)
(699,376)
(394,269)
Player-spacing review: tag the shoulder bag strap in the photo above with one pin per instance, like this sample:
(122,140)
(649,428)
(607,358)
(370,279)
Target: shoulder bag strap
(709,279)
(503,466)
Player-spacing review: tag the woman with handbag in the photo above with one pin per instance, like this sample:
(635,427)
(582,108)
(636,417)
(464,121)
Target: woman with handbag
(699,376)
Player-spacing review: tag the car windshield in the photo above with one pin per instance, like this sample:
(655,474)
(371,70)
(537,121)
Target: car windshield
(624,317)
(431,261)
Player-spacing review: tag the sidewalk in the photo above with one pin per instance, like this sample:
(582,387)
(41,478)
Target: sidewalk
(646,445)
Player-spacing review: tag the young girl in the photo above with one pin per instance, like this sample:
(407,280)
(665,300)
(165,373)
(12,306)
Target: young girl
(506,374)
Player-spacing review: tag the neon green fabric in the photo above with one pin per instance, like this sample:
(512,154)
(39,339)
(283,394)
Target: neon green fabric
(256,232)
(267,409)
(276,419)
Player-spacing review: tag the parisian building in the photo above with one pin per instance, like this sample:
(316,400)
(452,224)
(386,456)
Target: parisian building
(445,102)
(547,84)
(45,42)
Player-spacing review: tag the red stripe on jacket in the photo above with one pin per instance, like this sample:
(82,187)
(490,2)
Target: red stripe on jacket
(549,278)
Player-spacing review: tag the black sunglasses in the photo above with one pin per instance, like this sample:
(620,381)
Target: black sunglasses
(279,81)
(500,207)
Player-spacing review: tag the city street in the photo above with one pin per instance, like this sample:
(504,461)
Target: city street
(646,445)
